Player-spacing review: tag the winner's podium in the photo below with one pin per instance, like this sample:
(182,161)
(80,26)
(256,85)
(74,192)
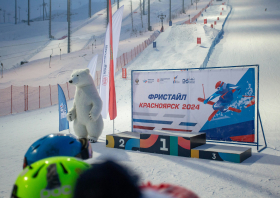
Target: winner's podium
(177,144)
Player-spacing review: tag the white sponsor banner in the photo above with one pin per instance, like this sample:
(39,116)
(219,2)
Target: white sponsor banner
(105,68)
(173,100)
(92,66)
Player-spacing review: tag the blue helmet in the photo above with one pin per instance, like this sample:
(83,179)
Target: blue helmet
(57,144)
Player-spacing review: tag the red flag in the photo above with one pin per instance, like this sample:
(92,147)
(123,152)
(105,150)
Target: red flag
(112,91)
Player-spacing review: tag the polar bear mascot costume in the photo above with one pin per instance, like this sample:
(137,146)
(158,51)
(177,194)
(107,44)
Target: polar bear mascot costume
(86,112)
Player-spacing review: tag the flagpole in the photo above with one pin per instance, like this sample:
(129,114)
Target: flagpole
(112,91)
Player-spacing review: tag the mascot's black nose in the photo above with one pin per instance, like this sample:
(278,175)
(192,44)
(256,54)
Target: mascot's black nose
(70,81)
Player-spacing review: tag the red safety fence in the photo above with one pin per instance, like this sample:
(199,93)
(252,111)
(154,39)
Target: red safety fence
(16,99)
(126,57)
(197,15)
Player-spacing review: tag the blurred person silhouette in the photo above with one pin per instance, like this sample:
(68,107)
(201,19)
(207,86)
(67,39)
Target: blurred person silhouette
(111,180)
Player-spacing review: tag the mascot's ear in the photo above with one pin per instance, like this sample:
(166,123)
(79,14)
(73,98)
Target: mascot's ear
(87,70)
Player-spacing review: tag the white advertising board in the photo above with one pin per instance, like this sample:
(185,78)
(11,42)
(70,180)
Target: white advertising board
(220,102)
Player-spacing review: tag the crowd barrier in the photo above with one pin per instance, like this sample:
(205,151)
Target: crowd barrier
(215,41)
(17,99)
(193,19)
(125,58)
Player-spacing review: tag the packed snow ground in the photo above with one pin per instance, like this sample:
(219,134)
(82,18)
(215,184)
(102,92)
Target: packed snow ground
(258,176)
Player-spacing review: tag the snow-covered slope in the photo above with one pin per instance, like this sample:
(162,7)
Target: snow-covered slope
(26,43)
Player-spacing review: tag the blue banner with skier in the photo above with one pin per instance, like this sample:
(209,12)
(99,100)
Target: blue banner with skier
(219,102)
(232,119)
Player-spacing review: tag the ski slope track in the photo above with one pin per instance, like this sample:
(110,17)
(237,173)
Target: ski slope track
(251,36)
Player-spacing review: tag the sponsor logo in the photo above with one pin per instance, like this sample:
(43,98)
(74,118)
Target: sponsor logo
(64,190)
(148,81)
(104,61)
(105,69)
(163,80)
(188,80)
(105,81)
(62,111)
(175,80)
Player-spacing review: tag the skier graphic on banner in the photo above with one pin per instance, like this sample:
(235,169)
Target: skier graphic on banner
(225,91)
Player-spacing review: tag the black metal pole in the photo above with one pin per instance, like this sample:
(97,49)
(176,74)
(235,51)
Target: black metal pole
(68,19)
(143,7)
(19,13)
(107,13)
(15,11)
(50,21)
(170,21)
(89,8)
(28,15)
(43,10)
(149,24)
(2,69)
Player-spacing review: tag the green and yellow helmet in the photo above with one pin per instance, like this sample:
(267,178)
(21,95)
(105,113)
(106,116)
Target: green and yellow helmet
(49,178)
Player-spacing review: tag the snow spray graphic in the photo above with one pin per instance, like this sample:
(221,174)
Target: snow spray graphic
(219,102)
